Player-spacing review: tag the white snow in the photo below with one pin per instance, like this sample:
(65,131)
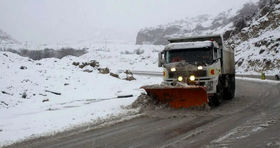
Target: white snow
(220,139)
(249,52)
(86,98)
(187,45)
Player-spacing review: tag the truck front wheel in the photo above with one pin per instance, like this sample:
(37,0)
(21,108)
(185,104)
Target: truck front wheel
(216,100)
(229,92)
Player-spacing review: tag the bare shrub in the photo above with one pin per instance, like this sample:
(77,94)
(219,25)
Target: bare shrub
(48,53)
(244,16)
(139,51)
(69,51)
(265,3)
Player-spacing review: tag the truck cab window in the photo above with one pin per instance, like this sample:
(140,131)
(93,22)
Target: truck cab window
(195,55)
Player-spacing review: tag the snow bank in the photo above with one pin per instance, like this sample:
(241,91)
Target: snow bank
(188,45)
(51,95)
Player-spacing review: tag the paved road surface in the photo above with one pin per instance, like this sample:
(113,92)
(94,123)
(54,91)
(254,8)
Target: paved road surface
(251,119)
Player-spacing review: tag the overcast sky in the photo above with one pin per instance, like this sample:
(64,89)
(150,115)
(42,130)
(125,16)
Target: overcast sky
(52,21)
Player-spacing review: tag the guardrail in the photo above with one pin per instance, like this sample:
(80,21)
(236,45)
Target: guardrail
(160,74)
(268,77)
(149,73)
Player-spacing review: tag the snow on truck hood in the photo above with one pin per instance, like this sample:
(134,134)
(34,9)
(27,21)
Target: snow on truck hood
(188,45)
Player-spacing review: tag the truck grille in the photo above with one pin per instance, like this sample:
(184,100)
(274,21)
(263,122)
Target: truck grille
(200,73)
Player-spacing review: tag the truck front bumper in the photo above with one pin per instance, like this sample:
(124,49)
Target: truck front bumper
(209,82)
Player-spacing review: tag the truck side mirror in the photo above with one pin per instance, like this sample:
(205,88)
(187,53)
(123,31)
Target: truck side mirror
(216,54)
(160,59)
(219,53)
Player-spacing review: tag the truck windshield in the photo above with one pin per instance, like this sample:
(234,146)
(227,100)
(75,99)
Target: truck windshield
(199,55)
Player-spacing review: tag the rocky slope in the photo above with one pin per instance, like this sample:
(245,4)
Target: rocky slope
(203,24)
(254,30)
(257,43)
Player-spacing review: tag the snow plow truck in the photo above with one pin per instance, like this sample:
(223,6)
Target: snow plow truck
(196,71)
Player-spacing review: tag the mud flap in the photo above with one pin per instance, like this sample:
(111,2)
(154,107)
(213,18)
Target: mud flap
(179,97)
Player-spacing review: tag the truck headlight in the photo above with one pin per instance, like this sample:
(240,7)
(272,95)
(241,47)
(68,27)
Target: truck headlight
(192,77)
(173,69)
(180,78)
(199,67)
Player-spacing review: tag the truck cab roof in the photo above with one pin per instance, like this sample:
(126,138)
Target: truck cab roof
(190,45)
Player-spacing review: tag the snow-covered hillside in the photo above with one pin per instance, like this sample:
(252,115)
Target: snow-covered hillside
(253,30)
(50,95)
(203,24)
(6,40)
(258,43)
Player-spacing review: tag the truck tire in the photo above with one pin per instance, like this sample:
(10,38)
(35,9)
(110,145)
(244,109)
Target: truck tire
(216,100)
(277,77)
(229,92)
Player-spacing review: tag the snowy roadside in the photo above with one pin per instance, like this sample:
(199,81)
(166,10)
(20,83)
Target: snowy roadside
(44,97)
(259,80)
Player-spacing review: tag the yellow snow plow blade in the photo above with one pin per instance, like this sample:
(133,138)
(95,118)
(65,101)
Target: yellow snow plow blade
(179,97)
